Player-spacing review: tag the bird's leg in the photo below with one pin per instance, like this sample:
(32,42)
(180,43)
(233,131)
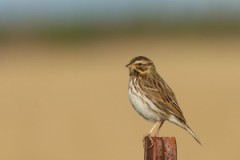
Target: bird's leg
(157,133)
(150,132)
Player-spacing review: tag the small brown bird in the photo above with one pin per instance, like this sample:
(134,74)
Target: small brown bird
(152,98)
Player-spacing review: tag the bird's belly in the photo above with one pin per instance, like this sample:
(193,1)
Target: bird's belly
(144,106)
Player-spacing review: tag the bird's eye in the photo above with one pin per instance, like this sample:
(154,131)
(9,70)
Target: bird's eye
(140,64)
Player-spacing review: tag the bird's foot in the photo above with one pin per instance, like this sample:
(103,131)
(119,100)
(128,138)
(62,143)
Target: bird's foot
(151,140)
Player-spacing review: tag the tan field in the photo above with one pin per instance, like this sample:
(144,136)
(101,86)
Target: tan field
(71,102)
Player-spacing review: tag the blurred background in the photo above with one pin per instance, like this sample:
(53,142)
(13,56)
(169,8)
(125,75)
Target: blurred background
(63,84)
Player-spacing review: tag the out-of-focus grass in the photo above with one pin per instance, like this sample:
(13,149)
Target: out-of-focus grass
(76,32)
(58,106)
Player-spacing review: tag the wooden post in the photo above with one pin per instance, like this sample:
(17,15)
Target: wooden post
(163,148)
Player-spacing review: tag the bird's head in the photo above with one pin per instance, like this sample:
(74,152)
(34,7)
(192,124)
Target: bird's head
(141,66)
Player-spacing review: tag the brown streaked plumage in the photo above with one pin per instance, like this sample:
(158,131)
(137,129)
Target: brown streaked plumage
(152,98)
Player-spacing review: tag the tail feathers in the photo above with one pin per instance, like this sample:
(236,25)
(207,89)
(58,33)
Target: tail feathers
(183,125)
(192,133)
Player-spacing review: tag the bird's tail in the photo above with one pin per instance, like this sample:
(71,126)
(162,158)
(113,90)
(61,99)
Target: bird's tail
(192,133)
(183,125)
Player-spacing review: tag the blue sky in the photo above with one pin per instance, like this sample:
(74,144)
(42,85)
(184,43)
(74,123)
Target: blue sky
(87,8)
(43,6)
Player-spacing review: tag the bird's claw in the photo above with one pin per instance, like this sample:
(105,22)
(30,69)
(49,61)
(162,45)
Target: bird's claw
(151,140)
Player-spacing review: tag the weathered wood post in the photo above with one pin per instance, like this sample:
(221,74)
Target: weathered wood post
(163,148)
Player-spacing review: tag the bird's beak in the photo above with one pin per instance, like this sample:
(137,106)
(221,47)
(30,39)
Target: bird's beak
(128,65)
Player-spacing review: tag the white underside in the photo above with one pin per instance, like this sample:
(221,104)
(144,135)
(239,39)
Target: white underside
(144,106)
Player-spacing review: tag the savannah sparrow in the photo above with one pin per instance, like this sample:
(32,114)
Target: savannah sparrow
(152,98)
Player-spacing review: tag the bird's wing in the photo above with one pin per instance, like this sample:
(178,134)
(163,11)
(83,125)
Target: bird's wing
(162,96)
